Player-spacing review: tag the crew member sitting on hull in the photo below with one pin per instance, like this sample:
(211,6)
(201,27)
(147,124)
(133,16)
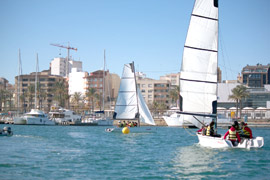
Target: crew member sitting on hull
(233,135)
(247,133)
(210,129)
(120,124)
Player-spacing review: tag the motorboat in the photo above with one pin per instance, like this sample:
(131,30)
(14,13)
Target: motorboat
(64,115)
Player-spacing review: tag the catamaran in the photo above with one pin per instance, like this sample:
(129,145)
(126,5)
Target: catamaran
(130,104)
(198,79)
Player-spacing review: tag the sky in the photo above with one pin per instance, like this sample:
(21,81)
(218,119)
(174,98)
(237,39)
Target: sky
(151,33)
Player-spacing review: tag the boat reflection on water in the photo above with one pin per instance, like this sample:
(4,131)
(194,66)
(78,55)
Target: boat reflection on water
(193,162)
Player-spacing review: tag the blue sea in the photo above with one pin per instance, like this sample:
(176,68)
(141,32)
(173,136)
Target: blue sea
(88,152)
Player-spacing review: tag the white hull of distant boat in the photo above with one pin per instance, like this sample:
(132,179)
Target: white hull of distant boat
(141,129)
(219,142)
(64,115)
(177,119)
(34,117)
(19,120)
(104,122)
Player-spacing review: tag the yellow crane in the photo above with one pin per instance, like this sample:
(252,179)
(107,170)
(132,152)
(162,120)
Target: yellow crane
(68,48)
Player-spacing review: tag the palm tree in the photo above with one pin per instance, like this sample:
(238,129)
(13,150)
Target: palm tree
(90,95)
(2,97)
(238,93)
(60,91)
(174,95)
(30,94)
(76,99)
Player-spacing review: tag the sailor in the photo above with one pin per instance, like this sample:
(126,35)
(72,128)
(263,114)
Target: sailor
(202,130)
(237,128)
(210,129)
(247,133)
(233,135)
(131,124)
(120,124)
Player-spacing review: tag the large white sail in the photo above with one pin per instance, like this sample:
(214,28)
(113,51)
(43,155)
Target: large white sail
(145,115)
(198,80)
(126,106)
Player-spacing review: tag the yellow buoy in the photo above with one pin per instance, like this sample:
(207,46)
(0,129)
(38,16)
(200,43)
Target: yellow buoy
(125,130)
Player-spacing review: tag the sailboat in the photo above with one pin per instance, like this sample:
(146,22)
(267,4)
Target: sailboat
(19,119)
(101,118)
(130,104)
(198,79)
(35,116)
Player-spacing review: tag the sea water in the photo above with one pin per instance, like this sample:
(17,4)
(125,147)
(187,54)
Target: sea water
(88,152)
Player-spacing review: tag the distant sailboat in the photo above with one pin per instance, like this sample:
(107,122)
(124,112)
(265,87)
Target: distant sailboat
(35,116)
(198,79)
(130,104)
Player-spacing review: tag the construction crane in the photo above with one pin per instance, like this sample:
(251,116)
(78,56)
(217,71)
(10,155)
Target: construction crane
(68,48)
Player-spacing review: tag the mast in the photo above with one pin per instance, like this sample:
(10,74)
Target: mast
(36,82)
(103,81)
(18,82)
(135,80)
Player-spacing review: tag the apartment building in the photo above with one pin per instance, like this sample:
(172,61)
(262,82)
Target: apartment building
(155,90)
(173,78)
(256,76)
(59,67)
(110,82)
(47,83)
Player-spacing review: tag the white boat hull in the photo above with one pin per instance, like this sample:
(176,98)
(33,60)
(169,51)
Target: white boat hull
(219,142)
(38,121)
(142,129)
(19,121)
(173,121)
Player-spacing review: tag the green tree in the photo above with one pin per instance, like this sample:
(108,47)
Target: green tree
(174,95)
(59,93)
(90,96)
(238,93)
(2,98)
(76,99)
(30,94)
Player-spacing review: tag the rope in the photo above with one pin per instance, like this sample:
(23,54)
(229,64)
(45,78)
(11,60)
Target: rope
(189,132)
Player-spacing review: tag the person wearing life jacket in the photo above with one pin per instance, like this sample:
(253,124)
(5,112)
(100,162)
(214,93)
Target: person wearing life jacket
(210,129)
(247,133)
(237,128)
(233,135)
(202,130)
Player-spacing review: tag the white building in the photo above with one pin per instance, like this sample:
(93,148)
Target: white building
(58,66)
(77,81)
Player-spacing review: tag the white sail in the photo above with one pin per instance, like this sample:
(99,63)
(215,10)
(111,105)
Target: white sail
(126,106)
(130,102)
(145,115)
(198,80)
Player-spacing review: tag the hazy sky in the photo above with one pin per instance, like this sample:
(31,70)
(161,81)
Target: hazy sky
(149,32)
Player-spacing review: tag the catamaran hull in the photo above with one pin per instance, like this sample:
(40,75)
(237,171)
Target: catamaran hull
(142,129)
(219,142)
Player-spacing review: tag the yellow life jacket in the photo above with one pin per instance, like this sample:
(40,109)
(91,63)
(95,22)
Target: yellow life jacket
(232,135)
(208,130)
(246,132)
